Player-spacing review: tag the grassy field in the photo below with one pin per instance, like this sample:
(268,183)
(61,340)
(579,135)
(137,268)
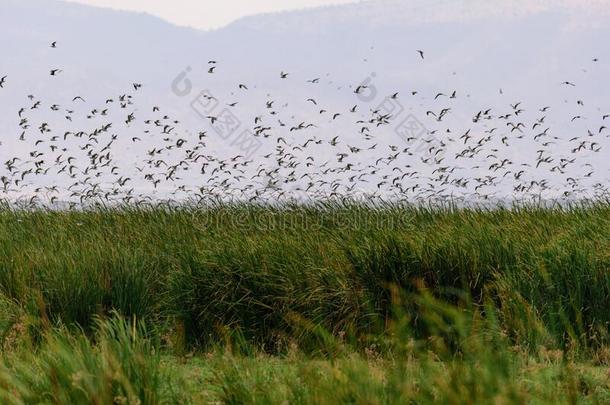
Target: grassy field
(327,304)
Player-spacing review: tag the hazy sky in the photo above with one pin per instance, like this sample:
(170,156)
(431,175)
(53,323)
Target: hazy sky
(207,13)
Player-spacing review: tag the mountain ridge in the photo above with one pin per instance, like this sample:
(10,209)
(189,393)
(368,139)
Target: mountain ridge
(421,12)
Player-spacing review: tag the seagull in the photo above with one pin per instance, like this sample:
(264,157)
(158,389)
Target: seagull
(54,44)
(2,81)
(421,53)
(360,88)
(54,72)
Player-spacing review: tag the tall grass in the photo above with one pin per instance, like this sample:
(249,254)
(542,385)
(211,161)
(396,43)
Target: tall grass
(466,358)
(254,270)
(122,366)
(362,304)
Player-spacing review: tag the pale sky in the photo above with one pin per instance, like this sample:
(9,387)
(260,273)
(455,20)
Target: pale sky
(207,14)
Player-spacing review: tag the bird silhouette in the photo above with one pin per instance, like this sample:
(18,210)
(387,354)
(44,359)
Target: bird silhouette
(105,151)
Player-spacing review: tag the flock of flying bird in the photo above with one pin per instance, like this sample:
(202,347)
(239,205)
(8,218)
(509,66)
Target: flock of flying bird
(90,154)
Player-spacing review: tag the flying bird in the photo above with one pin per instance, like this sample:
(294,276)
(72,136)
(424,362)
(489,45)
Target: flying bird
(360,88)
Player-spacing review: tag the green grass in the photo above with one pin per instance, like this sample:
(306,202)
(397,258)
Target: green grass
(330,303)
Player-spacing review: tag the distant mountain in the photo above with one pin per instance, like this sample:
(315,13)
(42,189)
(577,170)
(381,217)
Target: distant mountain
(488,44)
(382,13)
